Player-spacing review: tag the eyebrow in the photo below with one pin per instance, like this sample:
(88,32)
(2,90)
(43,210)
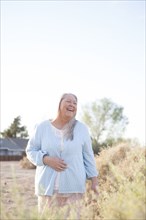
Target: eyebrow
(67,99)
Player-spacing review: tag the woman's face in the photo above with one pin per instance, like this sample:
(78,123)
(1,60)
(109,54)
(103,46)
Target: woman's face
(68,107)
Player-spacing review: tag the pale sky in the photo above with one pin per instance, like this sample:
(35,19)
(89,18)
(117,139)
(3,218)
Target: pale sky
(94,49)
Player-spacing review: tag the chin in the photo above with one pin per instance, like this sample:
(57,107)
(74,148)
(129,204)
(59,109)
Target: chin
(70,116)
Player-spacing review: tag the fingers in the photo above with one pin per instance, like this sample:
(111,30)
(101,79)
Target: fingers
(60,163)
(94,188)
(57,164)
(60,169)
(61,166)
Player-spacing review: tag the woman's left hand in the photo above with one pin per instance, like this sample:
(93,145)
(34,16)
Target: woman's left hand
(94,184)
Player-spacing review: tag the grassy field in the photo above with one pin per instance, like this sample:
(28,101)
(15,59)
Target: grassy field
(17,189)
(122,189)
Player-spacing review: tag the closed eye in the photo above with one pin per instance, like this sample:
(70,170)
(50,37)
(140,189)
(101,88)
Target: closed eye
(68,101)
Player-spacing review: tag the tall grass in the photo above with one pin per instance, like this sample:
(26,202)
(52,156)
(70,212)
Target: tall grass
(122,183)
(122,191)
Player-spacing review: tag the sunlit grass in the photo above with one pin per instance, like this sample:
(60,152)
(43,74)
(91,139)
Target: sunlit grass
(122,188)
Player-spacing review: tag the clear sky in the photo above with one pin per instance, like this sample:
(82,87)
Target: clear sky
(94,49)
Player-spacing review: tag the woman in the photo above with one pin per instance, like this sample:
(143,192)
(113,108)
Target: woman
(62,152)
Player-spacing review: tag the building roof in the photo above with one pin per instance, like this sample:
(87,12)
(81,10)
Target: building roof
(13,144)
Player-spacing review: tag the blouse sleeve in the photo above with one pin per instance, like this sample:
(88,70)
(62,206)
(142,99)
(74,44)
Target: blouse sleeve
(33,150)
(88,157)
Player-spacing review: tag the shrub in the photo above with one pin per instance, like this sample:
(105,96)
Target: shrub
(25,163)
(122,175)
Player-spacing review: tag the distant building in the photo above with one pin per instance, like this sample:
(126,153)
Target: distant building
(12,148)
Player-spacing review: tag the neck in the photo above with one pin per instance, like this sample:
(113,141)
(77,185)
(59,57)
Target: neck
(60,122)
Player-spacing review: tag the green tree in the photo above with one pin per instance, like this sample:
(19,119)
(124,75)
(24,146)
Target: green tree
(105,120)
(15,129)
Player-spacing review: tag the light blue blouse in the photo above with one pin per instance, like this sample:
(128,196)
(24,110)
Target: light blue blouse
(77,154)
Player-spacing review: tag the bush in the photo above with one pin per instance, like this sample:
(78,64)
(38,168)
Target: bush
(25,163)
(122,175)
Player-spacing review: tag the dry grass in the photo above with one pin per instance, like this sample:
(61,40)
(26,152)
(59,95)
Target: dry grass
(122,179)
(17,190)
(122,175)
(26,164)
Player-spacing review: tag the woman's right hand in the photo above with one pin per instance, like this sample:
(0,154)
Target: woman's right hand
(55,163)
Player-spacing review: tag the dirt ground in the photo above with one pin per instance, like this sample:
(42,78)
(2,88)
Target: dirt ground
(16,183)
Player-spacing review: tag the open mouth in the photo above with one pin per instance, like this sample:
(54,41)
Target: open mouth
(70,110)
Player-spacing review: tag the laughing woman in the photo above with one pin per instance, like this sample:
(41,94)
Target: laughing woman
(62,152)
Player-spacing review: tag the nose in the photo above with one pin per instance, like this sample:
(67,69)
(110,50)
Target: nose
(73,104)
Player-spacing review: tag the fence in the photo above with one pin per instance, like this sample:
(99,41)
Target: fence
(10,158)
